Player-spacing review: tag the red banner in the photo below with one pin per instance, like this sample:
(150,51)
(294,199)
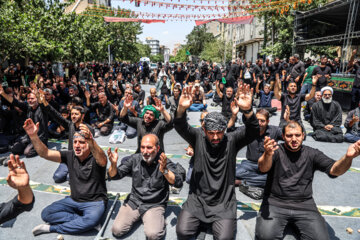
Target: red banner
(116,19)
(236,20)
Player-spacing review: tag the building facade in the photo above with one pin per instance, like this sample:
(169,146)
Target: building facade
(80,6)
(154,45)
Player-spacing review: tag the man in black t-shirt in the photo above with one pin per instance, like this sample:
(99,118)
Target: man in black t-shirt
(82,211)
(288,190)
(355,91)
(323,72)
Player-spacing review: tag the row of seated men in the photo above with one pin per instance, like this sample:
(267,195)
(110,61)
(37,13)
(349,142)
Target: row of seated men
(290,168)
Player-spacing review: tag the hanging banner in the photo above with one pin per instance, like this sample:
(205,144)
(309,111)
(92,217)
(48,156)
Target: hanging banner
(116,19)
(236,20)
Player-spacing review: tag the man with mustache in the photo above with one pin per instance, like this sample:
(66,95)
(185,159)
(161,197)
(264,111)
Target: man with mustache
(288,191)
(151,174)
(83,209)
(33,110)
(327,118)
(212,185)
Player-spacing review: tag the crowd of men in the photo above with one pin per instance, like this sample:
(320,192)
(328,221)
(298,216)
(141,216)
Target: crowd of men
(81,102)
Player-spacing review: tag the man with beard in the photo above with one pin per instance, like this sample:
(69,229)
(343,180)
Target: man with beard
(152,173)
(327,118)
(212,185)
(352,126)
(309,104)
(104,111)
(274,69)
(227,96)
(292,99)
(83,209)
(148,122)
(297,71)
(355,91)
(77,117)
(265,97)
(288,191)
(83,73)
(323,72)
(250,180)
(34,111)
(173,101)
(180,76)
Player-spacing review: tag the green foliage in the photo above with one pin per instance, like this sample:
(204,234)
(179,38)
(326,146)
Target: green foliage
(329,51)
(157,58)
(40,30)
(197,39)
(214,51)
(172,59)
(181,55)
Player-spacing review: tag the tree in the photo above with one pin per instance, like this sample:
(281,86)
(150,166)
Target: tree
(157,58)
(214,51)
(197,39)
(181,55)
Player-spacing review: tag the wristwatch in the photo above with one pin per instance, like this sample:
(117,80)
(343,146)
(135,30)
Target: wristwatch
(166,171)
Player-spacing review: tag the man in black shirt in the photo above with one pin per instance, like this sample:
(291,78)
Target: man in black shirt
(227,96)
(323,72)
(212,199)
(104,111)
(297,71)
(292,99)
(18,178)
(250,180)
(34,111)
(208,89)
(82,211)
(288,190)
(180,76)
(355,92)
(152,173)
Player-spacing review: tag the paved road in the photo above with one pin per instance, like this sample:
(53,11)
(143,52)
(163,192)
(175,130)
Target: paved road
(333,194)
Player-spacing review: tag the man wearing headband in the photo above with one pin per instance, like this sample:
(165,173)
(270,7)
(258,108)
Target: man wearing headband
(82,211)
(327,118)
(147,122)
(212,185)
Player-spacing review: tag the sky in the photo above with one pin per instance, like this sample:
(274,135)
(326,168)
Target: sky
(170,32)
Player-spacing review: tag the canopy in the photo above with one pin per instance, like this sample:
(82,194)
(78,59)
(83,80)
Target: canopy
(235,20)
(116,19)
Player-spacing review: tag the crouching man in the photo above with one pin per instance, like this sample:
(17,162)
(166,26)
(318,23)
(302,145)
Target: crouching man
(151,174)
(82,211)
(288,191)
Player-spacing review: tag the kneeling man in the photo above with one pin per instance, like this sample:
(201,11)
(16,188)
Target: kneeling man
(288,191)
(151,175)
(83,209)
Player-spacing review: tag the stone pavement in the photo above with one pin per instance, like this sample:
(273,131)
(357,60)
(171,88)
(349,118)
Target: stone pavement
(338,198)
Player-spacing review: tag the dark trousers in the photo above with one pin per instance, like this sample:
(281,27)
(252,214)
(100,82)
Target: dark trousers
(271,222)
(355,97)
(61,173)
(248,171)
(67,216)
(188,225)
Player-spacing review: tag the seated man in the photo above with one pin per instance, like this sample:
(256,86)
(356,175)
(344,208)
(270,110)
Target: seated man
(152,174)
(250,180)
(199,102)
(208,88)
(18,179)
(104,111)
(288,191)
(352,126)
(309,104)
(83,209)
(173,101)
(327,118)
(265,97)
(150,100)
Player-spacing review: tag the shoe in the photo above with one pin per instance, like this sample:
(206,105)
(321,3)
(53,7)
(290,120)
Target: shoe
(251,191)
(2,160)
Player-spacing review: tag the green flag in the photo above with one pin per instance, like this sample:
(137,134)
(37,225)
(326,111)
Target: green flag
(187,53)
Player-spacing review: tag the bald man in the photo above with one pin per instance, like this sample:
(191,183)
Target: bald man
(104,112)
(151,174)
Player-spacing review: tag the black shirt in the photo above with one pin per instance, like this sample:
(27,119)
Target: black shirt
(225,107)
(294,105)
(289,181)
(157,127)
(322,81)
(87,178)
(212,183)
(255,149)
(357,75)
(258,72)
(103,112)
(13,208)
(180,76)
(149,186)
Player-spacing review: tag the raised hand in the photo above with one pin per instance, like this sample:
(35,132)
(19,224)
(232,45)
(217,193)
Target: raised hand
(355,119)
(315,78)
(41,96)
(113,156)
(185,100)
(85,131)
(30,128)
(270,146)
(1,90)
(162,162)
(234,108)
(159,107)
(287,113)
(353,150)
(87,94)
(189,151)
(18,177)
(128,101)
(245,95)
